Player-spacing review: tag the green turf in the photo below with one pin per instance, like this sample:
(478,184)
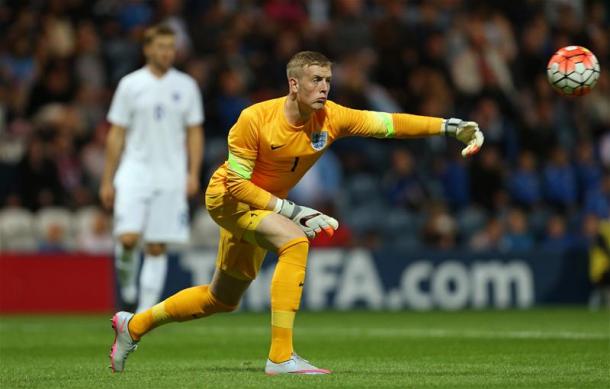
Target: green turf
(552,348)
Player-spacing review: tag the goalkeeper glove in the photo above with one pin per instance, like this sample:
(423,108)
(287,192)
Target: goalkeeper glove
(310,220)
(466,132)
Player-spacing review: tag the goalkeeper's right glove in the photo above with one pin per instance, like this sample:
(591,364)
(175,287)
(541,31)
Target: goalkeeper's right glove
(466,132)
(311,221)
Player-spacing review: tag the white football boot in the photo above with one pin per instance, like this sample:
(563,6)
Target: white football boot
(295,365)
(123,344)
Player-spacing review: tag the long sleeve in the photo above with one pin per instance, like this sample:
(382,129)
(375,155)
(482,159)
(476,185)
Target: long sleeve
(243,150)
(353,122)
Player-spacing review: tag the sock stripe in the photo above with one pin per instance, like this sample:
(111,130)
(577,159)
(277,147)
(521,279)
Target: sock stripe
(159,314)
(283,319)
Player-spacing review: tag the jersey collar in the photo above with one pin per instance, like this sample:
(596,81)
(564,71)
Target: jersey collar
(154,77)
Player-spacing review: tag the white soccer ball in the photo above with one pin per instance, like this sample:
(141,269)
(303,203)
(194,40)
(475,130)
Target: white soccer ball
(573,71)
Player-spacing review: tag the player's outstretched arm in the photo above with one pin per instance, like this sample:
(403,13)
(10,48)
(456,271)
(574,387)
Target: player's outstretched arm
(466,132)
(353,122)
(312,222)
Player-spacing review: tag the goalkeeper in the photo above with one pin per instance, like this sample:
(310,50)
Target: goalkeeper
(271,147)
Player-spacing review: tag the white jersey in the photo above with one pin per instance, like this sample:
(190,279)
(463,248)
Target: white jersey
(155,112)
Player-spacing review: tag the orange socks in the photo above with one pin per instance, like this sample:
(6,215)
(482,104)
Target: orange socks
(198,301)
(286,290)
(188,304)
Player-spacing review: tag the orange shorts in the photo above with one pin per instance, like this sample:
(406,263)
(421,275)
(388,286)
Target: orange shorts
(238,253)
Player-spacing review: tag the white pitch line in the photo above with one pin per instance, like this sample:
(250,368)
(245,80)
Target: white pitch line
(453,333)
(375,332)
(413,333)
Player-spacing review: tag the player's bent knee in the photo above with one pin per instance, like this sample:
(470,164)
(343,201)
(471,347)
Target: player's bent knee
(291,230)
(129,241)
(274,231)
(155,249)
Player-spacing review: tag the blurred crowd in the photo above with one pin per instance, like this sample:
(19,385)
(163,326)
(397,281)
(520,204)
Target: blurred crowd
(542,180)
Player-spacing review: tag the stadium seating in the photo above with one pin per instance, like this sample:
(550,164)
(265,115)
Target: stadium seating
(470,220)
(57,222)
(82,219)
(17,230)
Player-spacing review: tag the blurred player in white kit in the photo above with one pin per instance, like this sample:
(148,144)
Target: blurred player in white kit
(155,147)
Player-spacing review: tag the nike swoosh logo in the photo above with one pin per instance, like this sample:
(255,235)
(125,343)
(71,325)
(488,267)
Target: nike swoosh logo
(305,219)
(273,147)
(301,283)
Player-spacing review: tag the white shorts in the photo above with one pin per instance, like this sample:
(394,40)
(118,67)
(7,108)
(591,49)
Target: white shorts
(158,215)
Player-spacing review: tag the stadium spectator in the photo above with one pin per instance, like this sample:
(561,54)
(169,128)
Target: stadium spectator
(18,68)
(560,187)
(587,230)
(517,236)
(480,66)
(39,183)
(439,230)
(454,177)
(524,182)
(57,85)
(588,170)
(597,199)
(135,14)
(53,240)
(391,36)
(232,98)
(120,48)
(487,178)
(69,166)
(490,238)
(97,237)
(89,63)
(350,30)
(93,155)
(604,148)
(404,187)
(557,234)
(501,131)
(532,46)
(174,17)
(288,13)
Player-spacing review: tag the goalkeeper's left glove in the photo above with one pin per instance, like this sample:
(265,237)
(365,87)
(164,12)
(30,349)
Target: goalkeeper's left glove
(466,132)
(311,221)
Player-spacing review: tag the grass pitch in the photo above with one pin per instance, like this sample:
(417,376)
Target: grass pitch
(542,348)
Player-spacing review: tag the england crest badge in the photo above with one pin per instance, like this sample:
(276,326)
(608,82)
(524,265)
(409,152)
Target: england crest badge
(319,139)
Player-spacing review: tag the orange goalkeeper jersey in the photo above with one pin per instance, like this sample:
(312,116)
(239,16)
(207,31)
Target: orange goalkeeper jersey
(268,155)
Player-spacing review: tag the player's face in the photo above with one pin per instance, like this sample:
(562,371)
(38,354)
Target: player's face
(161,52)
(313,86)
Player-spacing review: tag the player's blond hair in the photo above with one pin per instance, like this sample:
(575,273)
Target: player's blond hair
(303,59)
(155,31)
